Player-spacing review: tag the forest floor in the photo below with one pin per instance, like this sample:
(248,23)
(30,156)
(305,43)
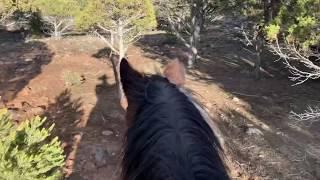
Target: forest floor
(261,141)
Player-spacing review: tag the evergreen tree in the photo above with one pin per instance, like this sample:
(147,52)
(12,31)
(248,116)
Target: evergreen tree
(27,151)
(58,15)
(118,23)
(8,7)
(295,36)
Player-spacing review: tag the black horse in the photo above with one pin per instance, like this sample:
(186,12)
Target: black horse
(168,138)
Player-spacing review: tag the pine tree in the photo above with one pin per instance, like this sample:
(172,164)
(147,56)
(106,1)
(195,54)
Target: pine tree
(295,36)
(27,151)
(8,7)
(58,15)
(118,23)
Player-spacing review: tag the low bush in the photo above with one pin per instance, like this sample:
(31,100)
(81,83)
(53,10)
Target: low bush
(27,151)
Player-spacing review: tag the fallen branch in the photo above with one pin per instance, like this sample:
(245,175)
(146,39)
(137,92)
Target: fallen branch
(310,116)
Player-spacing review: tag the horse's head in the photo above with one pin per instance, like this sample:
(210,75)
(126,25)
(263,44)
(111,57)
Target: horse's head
(135,84)
(169,137)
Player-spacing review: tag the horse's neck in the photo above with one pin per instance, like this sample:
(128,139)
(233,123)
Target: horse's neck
(205,116)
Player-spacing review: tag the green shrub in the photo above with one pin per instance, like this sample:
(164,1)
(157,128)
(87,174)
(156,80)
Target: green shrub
(27,152)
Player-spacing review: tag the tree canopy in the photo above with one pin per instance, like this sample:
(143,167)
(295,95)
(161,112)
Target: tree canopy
(8,7)
(58,15)
(59,8)
(294,35)
(136,13)
(298,21)
(124,20)
(118,23)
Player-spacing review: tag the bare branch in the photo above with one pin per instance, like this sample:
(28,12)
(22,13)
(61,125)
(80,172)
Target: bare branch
(106,41)
(246,36)
(176,32)
(126,31)
(310,116)
(105,29)
(60,23)
(290,53)
(134,38)
(67,25)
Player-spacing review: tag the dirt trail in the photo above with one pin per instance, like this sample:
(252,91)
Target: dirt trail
(253,115)
(263,142)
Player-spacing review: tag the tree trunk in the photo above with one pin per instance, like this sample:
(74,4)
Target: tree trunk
(275,6)
(271,9)
(56,33)
(257,65)
(197,20)
(194,43)
(112,38)
(267,10)
(122,52)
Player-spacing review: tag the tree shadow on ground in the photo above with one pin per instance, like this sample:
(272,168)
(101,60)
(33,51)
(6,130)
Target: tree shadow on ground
(66,113)
(162,47)
(262,106)
(20,62)
(102,53)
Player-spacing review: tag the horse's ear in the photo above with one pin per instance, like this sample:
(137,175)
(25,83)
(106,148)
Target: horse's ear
(129,76)
(175,72)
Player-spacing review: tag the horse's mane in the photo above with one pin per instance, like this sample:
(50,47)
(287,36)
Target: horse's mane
(169,139)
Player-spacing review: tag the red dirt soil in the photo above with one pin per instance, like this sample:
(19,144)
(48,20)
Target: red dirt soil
(261,142)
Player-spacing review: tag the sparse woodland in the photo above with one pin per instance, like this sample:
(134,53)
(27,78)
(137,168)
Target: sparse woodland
(255,65)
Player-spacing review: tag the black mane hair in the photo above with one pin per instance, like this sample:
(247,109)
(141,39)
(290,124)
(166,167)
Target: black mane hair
(169,139)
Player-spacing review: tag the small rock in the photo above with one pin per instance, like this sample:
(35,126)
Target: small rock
(254,131)
(107,133)
(209,105)
(100,156)
(250,125)
(261,156)
(223,117)
(235,99)
(36,111)
(28,60)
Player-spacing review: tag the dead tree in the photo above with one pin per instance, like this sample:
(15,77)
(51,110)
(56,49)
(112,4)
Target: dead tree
(57,27)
